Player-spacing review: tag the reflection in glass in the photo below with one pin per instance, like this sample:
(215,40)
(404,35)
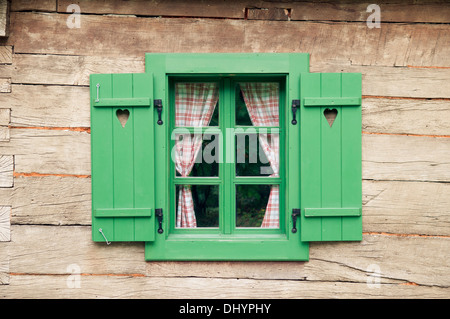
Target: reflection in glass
(251,159)
(252,204)
(202,206)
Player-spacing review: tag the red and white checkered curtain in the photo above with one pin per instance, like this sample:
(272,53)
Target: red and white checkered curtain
(194,107)
(262,101)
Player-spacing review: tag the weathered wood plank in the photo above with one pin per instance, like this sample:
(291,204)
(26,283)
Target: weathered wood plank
(4,264)
(5,115)
(34,5)
(4,18)
(388,206)
(392,11)
(66,106)
(72,245)
(5,85)
(279,14)
(70,70)
(67,70)
(406,207)
(406,116)
(49,151)
(67,200)
(399,157)
(48,106)
(75,70)
(394,81)
(347,262)
(126,287)
(6,171)
(392,45)
(384,157)
(5,223)
(400,259)
(6,54)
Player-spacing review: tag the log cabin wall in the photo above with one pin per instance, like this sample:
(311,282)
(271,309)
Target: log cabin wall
(46,249)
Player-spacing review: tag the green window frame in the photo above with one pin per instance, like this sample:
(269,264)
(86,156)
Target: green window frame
(133,204)
(227,181)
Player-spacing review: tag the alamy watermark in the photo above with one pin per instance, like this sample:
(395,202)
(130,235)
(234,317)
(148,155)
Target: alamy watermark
(74,19)
(374,20)
(73,280)
(373,276)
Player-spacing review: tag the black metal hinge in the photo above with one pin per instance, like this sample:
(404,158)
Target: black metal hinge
(295,106)
(159,215)
(295,214)
(158,105)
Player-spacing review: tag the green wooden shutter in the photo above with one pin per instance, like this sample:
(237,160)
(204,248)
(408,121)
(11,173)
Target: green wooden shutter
(122,157)
(331,195)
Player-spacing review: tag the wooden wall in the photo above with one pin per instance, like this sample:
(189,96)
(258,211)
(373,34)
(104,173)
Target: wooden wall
(45,198)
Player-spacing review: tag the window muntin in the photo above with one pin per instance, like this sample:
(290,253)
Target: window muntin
(221,143)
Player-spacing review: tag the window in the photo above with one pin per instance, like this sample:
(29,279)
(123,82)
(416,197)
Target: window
(226,157)
(226,150)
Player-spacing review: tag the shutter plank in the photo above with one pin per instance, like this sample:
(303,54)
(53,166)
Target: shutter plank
(123,159)
(331,151)
(310,191)
(144,156)
(102,157)
(351,157)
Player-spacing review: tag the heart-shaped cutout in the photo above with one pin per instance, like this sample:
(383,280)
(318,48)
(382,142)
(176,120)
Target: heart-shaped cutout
(330,115)
(122,116)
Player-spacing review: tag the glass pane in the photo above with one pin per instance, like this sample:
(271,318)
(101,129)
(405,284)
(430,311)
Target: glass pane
(257,154)
(196,155)
(257,104)
(196,104)
(252,204)
(242,117)
(197,206)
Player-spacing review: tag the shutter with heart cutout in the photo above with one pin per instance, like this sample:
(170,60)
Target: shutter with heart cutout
(122,154)
(331,196)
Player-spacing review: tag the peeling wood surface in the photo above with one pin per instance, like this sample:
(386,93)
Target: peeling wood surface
(45,184)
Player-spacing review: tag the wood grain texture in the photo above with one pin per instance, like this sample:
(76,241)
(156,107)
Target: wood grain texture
(6,54)
(5,223)
(126,287)
(392,11)
(49,151)
(4,264)
(67,70)
(377,80)
(400,157)
(392,45)
(5,85)
(4,18)
(406,116)
(48,106)
(70,108)
(406,207)
(34,5)
(416,208)
(408,260)
(6,171)
(384,157)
